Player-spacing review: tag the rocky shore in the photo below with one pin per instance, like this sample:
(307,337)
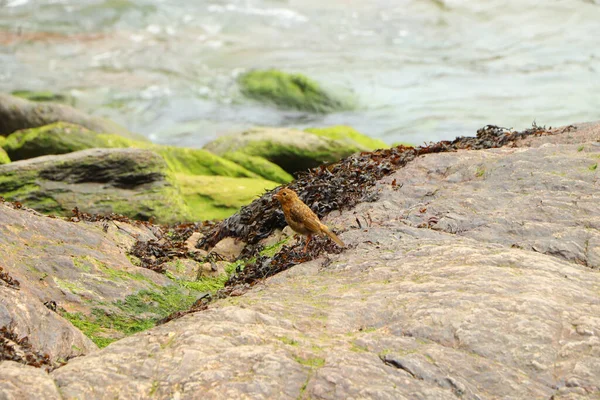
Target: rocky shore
(468,274)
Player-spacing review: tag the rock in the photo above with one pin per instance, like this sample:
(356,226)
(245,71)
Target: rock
(218,197)
(45,96)
(405,311)
(293,91)
(229,248)
(350,137)
(45,330)
(4,159)
(291,149)
(85,269)
(209,197)
(183,268)
(61,138)
(56,138)
(213,270)
(17,113)
(132,182)
(192,241)
(260,166)
(22,382)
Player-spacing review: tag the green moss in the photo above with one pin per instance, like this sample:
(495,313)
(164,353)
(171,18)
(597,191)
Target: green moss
(62,137)
(137,312)
(161,303)
(313,362)
(4,158)
(200,162)
(209,284)
(580,148)
(88,263)
(67,285)
(480,172)
(295,158)
(273,249)
(288,341)
(79,263)
(43,96)
(593,167)
(57,138)
(89,328)
(260,166)
(290,91)
(217,197)
(350,136)
(358,349)
(134,260)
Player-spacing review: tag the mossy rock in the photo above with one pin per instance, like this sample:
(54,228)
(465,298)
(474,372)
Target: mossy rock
(57,138)
(133,182)
(17,113)
(4,159)
(44,95)
(293,91)
(291,149)
(350,136)
(218,197)
(260,166)
(62,138)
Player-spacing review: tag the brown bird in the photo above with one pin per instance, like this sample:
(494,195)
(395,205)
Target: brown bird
(301,218)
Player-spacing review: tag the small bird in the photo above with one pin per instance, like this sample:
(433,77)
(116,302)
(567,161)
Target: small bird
(301,218)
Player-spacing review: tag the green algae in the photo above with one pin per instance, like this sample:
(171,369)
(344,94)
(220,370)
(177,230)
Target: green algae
(218,197)
(4,158)
(293,91)
(260,166)
(349,136)
(43,95)
(136,313)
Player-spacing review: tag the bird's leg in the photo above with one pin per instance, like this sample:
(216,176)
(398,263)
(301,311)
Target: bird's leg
(308,237)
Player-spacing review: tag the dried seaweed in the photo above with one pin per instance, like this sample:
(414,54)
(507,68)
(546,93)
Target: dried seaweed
(9,281)
(346,183)
(331,187)
(170,245)
(13,348)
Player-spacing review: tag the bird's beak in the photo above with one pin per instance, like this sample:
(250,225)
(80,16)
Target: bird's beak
(276,196)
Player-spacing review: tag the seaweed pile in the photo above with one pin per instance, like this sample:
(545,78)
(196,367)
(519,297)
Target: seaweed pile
(330,187)
(344,184)
(8,280)
(13,348)
(154,253)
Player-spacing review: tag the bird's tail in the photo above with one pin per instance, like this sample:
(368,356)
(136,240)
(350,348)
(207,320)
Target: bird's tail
(332,235)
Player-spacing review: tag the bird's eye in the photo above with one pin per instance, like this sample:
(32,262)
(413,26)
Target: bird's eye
(285,194)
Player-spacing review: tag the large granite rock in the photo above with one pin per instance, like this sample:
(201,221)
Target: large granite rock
(132,182)
(17,113)
(474,275)
(44,329)
(22,382)
(84,271)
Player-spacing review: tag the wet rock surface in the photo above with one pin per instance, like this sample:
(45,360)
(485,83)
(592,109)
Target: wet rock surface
(473,274)
(133,182)
(291,149)
(17,113)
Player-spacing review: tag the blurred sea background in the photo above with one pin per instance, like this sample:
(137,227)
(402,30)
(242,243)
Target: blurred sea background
(421,70)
